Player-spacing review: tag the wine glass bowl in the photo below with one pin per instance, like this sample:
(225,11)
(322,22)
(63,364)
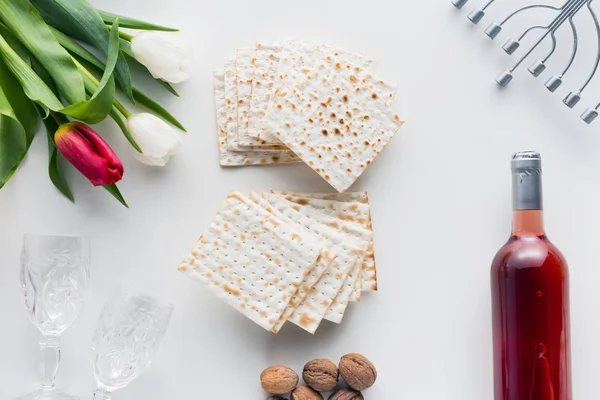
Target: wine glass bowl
(54,271)
(129,332)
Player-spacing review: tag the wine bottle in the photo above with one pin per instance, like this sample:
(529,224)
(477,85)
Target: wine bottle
(530,299)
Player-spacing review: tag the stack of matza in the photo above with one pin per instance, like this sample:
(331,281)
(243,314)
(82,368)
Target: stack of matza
(291,102)
(285,256)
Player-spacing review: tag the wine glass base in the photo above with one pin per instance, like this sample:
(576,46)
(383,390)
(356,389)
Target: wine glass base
(53,394)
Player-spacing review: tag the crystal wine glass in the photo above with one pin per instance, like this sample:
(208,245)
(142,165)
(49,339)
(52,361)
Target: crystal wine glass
(54,272)
(129,332)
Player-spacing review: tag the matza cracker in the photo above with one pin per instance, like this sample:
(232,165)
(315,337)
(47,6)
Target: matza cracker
(308,321)
(228,158)
(232,112)
(266,63)
(358,213)
(297,60)
(252,260)
(343,272)
(244,75)
(334,122)
(358,197)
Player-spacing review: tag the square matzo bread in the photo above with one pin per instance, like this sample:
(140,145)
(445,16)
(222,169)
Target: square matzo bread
(307,322)
(252,260)
(352,197)
(244,75)
(228,158)
(356,213)
(266,63)
(297,60)
(353,285)
(341,278)
(334,122)
(232,112)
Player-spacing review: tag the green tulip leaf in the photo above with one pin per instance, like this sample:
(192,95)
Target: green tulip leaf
(91,111)
(75,48)
(23,108)
(78,19)
(18,124)
(114,190)
(14,43)
(29,28)
(13,144)
(33,86)
(126,48)
(55,161)
(44,75)
(99,105)
(156,108)
(133,23)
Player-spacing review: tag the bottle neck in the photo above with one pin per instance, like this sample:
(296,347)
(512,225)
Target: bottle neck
(527,201)
(528,223)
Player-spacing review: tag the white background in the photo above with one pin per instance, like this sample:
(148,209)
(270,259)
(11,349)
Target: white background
(440,196)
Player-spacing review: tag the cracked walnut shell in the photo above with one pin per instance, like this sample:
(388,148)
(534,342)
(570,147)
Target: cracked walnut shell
(358,372)
(278,380)
(305,393)
(321,375)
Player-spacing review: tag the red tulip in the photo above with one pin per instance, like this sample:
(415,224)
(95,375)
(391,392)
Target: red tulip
(89,153)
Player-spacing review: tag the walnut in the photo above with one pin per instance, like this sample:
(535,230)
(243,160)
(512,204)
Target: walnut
(358,372)
(346,394)
(278,380)
(305,393)
(321,375)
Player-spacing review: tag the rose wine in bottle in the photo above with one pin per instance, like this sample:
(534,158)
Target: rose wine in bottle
(530,299)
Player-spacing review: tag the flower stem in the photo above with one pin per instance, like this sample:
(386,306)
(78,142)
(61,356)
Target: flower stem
(59,118)
(122,35)
(85,71)
(121,108)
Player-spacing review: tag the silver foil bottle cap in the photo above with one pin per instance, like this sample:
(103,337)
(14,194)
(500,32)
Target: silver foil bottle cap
(526,169)
(526,160)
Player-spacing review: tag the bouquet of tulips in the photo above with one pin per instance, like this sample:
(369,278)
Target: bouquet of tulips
(62,62)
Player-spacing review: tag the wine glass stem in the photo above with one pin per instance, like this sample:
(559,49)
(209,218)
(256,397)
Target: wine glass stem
(102,394)
(50,346)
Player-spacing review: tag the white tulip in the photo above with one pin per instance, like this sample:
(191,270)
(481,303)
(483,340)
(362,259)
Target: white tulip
(157,139)
(164,54)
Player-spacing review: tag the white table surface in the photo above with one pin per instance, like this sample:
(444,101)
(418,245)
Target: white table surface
(440,196)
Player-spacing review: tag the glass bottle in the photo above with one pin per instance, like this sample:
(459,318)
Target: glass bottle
(530,299)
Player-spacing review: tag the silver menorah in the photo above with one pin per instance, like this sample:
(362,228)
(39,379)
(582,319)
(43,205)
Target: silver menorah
(547,31)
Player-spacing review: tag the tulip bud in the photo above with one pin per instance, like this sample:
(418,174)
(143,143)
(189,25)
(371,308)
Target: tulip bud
(164,54)
(89,153)
(157,139)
